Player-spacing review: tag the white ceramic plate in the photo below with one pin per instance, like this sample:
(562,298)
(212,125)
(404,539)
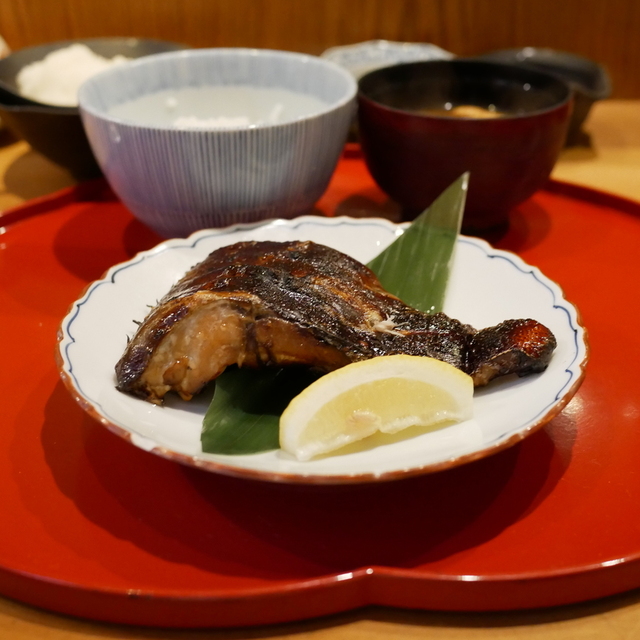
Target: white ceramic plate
(486,287)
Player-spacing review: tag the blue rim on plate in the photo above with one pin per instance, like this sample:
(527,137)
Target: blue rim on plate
(487,286)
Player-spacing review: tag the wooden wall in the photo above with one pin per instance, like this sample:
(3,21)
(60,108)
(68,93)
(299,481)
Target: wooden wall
(605,30)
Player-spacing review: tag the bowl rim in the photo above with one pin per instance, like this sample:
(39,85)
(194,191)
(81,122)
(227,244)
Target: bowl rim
(459,62)
(213,52)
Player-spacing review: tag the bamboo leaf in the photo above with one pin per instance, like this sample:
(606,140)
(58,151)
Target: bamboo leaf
(244,415)
(416,266)
(245,411)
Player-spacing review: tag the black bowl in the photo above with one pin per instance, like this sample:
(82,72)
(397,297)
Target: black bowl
(57,132)
(588,80)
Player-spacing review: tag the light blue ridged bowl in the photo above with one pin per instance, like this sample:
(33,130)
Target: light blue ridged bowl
(180,180)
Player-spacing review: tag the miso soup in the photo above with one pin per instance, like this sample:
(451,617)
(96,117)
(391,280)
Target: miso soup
(463,111)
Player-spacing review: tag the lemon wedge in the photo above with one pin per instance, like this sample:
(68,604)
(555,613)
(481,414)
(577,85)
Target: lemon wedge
(387,394)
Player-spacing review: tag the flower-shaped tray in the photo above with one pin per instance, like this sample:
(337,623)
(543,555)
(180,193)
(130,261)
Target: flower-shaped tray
(95,527)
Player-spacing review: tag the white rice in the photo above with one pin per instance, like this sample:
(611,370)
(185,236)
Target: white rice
(57,77)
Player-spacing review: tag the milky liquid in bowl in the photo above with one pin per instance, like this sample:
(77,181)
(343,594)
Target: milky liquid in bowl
(181,179)
(218,107)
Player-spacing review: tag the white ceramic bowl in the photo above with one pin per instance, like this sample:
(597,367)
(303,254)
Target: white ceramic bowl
(178,180)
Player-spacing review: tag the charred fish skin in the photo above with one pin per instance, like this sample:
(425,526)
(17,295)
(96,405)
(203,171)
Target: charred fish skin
(256,304)
(514,346)
(333,296)
(140,350)
(279,295)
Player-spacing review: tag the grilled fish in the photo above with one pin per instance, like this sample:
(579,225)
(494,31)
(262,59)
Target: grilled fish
(256,304)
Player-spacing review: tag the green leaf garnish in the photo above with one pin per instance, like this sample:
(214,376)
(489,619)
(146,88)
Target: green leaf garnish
(245,411)
(244,415)
(416,266)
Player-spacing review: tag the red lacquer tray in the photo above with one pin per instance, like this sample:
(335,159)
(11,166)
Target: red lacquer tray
(94,527)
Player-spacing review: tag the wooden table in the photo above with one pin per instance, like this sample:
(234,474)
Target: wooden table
(609,161)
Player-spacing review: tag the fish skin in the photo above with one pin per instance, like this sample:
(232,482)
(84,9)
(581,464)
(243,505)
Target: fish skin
(302,303)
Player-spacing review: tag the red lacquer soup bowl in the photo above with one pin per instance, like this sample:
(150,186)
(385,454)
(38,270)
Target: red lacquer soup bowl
(416,142)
